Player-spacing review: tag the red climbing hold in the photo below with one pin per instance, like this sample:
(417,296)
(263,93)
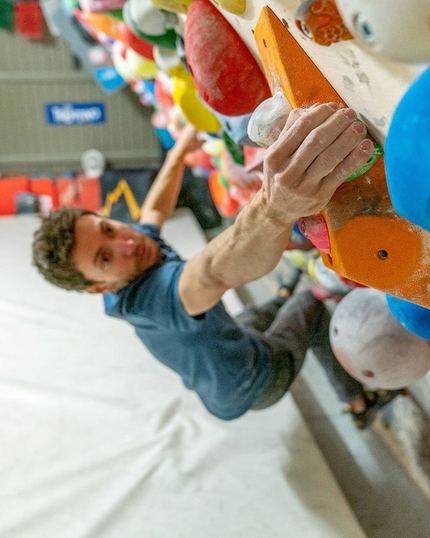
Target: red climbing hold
(225,72)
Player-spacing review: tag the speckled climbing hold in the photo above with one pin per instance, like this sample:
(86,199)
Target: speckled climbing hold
(268,120)
(373,346)
(320,21)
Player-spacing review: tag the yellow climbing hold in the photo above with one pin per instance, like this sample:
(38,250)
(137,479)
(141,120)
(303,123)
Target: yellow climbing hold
(233,6)
(185,96)
(177,6)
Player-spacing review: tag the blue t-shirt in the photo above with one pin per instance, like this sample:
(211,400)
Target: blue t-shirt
(227,365)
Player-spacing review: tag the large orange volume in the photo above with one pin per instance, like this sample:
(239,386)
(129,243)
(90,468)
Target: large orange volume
(369,242)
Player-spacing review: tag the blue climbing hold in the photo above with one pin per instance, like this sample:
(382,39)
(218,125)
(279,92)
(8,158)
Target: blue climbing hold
(407,154)
(413,317)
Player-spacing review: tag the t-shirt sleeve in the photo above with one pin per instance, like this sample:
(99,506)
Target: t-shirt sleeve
(157,299)
(150,230)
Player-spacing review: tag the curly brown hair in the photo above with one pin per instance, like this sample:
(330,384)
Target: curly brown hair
(52,246)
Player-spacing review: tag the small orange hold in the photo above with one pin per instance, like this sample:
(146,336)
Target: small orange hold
(320,21)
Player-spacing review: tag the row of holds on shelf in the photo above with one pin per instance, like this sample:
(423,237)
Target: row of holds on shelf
(396,29)
(211,99)
(136,56)
(174,6)
(227,84)
(228,81)
(177,97)
(212,96)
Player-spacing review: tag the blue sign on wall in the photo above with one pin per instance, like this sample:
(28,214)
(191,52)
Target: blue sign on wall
(75,113)
(108,78)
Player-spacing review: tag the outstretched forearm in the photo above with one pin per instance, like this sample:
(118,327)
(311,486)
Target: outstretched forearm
(249,249)
(317,150)
(244,252)
(163,194)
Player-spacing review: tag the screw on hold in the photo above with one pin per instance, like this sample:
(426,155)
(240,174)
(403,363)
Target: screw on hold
(364,28)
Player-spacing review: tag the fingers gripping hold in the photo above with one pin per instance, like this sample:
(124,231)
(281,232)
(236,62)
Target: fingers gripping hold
(352,162)
(329,144)
(316,151)
(309,133)
(302,121)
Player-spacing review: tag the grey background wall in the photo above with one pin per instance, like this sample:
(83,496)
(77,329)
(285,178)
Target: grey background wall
(35,73)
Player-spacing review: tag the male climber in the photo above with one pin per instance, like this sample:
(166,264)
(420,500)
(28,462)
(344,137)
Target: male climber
(175,306)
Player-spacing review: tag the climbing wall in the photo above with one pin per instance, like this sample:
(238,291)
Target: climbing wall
(215,63)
